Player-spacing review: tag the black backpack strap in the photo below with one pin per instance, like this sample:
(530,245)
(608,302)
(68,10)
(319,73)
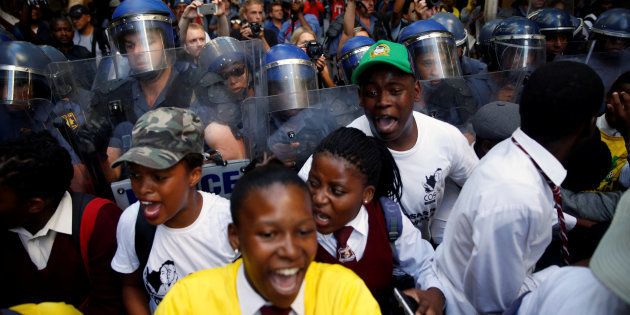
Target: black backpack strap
(145,233)
(79,202)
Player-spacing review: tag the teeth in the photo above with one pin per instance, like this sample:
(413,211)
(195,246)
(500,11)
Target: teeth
(146,203)
(287,271)
(322,217)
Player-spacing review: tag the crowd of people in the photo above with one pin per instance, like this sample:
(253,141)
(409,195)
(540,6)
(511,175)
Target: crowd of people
(315,157)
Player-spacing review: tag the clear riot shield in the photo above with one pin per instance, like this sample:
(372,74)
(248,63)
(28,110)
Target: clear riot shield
(456,100)
(290,126)
(101,99)
(609,65)
(228,72)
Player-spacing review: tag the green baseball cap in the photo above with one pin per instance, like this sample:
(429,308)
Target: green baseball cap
(383,52)
(162,137)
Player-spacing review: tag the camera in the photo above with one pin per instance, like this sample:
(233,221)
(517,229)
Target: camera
(314,50)
(256,29)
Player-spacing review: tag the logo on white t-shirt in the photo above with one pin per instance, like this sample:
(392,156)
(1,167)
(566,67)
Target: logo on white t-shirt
(159,282)
(429,186)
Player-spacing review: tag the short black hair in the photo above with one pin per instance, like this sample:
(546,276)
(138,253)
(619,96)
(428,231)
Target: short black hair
(259,178)
(35,165)
(369,155)
(558,98)
(193,160)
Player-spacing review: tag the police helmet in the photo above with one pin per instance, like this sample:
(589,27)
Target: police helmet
(432,48)
(23,74)
(613,23)
(289,70)
(453,25)
(137,28)
(351,54)
(553,20)
(516,42)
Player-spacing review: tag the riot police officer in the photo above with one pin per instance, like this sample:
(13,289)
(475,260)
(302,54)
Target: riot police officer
(517,43)
(351,53)
(611,31)
(483,44)
(298,115)
(226,79)
(142,39)
(557,26)
(454,25)
(25,89)
(432,48)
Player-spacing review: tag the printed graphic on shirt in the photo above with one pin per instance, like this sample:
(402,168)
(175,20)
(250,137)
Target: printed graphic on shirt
(429,186)
(159,282)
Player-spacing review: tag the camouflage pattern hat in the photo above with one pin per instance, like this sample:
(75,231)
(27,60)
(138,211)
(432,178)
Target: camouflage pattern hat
(162,137)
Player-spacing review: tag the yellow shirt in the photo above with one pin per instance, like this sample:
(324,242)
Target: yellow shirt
(329,289)
(617,147)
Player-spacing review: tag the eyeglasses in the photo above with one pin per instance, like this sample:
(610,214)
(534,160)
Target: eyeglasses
(234,72)
(235,21)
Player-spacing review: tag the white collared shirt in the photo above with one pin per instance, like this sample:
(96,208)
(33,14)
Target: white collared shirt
(573,290)
(500,226)
(251,302)
(39,246)
(413,254)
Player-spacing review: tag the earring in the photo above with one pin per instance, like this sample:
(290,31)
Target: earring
(236,252)
(365,202)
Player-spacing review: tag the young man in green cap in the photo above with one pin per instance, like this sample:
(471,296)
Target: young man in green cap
(164,163)
(433,157)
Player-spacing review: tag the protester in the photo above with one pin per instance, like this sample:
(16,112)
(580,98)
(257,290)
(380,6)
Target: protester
(56,244)
(274,231)
(183,230)
(62,39)
(351,180)
(507,204)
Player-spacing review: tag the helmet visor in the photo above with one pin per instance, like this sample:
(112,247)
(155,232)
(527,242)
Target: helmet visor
(291,76)
(20,88)
(144,33)
(435,56)
(520,53)
(143,64)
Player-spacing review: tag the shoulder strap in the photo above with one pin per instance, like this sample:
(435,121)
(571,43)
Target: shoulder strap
(85,210)
(145,233)
(88,221)
(393,218)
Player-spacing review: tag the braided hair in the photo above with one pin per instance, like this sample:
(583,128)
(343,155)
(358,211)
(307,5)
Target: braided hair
(35,165)
(369,155)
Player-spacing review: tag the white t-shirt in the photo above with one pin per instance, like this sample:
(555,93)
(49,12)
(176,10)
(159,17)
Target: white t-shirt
(176,252)
(441,152)
(86,41)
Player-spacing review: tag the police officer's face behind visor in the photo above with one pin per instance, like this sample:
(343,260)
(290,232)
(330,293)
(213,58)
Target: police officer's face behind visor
(143,53)
(235,76)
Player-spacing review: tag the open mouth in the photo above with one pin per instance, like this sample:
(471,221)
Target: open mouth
(321,219)
(150,210)
(286,281)
(385,124)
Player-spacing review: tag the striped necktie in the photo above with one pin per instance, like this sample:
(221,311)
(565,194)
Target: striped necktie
(557,198)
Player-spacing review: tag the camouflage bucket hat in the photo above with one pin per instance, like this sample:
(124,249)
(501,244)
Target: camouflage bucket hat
(162,137)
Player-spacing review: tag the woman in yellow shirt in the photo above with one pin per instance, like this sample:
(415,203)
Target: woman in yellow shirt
(275,233)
